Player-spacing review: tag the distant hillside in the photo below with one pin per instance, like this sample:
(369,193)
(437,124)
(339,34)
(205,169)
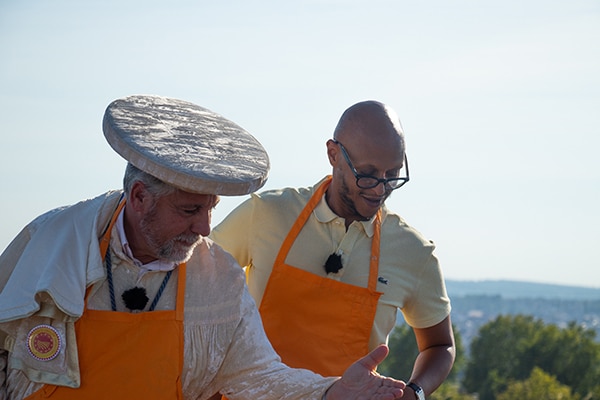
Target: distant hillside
(518,289)
(475,303)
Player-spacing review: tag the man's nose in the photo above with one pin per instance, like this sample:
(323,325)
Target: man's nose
(201,223)
(380,189)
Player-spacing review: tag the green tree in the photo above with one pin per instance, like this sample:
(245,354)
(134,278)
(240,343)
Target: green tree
(571,355)
(403,351)
(450,391)
(538,386)
(496,355)
(510,347)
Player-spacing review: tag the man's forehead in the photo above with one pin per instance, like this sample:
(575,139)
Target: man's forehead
(181,197)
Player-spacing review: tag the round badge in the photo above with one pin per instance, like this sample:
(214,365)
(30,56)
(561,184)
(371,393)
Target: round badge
(43,342)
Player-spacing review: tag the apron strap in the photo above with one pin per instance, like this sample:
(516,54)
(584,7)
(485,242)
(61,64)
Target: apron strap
(105,240)
(375,245)
(301,220)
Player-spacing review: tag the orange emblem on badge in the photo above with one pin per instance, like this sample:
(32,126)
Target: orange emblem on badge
(43,342)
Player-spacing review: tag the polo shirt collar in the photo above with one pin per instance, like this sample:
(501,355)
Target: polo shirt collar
(324,214)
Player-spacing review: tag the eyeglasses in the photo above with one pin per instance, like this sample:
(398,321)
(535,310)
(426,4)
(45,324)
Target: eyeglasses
(369,181)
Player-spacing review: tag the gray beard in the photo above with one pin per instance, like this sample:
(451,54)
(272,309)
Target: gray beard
(167,251)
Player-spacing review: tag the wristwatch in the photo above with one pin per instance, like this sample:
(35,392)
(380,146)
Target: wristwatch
(418,390)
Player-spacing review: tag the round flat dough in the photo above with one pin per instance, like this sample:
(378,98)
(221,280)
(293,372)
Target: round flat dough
(185,145)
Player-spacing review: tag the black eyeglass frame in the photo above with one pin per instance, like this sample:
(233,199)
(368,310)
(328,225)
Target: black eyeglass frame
(401,181)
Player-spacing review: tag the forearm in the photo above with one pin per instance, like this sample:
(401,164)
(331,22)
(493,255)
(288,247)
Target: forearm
(432,366)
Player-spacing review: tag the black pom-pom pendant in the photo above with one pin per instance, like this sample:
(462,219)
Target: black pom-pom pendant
(135,298)
(333,263)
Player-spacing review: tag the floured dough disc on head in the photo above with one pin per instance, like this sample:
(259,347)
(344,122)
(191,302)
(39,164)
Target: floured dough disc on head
(185,145)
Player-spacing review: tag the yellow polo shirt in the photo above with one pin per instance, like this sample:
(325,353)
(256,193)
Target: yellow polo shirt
(409,274)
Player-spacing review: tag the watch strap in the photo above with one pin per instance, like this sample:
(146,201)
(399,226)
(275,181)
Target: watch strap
(418,390)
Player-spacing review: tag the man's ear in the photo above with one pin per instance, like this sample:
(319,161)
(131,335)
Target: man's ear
(139,198)
(332,152)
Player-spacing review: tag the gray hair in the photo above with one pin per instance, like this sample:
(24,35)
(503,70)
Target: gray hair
(155,186)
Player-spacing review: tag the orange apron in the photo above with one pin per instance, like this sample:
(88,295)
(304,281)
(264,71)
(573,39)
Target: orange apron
(317,322)
(124,355)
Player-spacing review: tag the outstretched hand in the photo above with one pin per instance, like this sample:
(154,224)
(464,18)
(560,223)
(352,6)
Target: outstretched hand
(361,382)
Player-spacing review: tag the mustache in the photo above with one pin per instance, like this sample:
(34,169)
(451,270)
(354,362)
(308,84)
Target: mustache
(188,239)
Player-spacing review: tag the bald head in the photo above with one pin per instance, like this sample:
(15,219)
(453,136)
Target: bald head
(370,121)
(368,142)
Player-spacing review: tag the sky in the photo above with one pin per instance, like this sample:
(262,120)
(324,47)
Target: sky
(500,103)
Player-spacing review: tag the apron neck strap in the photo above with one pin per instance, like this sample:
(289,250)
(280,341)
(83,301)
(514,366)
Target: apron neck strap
(105,240)
(301,220)
(375,244)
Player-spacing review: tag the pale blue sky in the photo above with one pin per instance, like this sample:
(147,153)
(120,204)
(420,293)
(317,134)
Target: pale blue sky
(499,100)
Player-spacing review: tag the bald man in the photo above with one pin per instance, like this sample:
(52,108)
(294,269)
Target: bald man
(330,265)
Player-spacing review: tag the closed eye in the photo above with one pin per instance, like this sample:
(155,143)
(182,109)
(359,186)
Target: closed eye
(192,211)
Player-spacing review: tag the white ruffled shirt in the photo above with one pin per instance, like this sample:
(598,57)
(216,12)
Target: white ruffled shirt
(223,333)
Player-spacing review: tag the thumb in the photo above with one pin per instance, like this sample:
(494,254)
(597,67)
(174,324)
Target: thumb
(375,357)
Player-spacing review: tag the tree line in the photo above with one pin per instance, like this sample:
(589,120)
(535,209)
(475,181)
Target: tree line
(511,357)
